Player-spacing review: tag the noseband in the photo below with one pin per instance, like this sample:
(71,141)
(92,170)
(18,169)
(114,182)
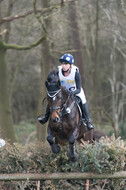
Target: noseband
(64,109)
(53,96)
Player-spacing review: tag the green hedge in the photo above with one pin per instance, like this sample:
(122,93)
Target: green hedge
(105,156)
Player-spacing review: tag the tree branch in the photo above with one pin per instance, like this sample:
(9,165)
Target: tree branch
(41,11)
(11,18)
(123,6)
(3,32)
(21,47)
(62,52)
(58,176)
(18,16)
(40,19)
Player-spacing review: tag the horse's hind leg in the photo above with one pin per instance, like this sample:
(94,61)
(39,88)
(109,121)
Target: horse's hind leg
(88,136)
(54,147)
(73,156)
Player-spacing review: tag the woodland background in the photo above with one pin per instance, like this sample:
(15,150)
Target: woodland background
(33,36)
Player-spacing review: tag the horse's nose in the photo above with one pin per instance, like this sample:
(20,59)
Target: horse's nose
(56,119)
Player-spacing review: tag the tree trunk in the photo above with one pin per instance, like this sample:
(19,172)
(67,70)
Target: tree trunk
(113,82)
(95,77)
(76,39)
(45,67)
(6,123)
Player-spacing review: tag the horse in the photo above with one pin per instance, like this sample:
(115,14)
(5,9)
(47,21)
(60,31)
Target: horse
(65,122)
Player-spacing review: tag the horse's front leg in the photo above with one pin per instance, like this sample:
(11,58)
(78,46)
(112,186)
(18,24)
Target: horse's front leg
(73,156)
(54,147)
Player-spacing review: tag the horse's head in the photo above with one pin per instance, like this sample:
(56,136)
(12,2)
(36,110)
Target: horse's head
(54,95)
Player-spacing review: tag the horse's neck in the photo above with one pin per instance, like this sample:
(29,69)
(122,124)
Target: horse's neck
(64,91)
(65,95)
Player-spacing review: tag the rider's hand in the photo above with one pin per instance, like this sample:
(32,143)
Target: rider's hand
(71,93)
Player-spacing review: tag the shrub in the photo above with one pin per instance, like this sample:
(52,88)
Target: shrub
(105,156)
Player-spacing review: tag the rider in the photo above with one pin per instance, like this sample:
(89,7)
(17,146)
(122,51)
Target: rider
(70,78)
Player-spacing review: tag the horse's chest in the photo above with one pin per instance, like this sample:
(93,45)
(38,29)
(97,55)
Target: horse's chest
(62,130)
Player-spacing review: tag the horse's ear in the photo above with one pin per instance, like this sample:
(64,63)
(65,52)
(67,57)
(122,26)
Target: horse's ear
(46,84)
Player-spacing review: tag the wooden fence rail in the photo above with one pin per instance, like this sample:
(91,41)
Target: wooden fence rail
(58,176)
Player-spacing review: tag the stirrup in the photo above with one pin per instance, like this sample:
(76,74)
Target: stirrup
(84,122)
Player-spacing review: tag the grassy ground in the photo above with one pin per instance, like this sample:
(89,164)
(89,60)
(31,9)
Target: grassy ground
(25,132)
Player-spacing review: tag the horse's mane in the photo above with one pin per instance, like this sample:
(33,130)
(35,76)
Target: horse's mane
(53,78)
(53,82)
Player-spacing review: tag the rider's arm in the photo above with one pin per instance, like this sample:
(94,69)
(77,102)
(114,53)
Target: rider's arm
(78,82)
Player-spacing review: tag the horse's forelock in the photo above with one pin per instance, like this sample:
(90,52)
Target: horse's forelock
(53,81)
(53,76)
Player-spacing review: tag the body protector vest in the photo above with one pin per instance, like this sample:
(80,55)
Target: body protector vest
(69,82)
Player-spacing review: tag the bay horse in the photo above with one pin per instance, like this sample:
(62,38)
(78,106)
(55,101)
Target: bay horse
(65,123)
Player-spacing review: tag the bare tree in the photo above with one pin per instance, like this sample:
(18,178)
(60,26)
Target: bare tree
(117,100)
(45,67)
(76,39)
(6,122)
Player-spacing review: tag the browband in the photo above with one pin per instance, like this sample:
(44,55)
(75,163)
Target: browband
(53,92)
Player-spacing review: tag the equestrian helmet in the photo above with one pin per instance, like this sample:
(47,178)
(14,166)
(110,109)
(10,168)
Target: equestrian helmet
(67,58)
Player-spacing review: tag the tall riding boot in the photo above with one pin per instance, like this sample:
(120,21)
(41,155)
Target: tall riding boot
(86,116)
(44,119)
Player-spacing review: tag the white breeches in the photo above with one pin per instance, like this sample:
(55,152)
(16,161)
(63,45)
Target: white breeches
(81,95)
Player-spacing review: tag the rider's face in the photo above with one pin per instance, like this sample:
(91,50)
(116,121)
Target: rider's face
(65,66)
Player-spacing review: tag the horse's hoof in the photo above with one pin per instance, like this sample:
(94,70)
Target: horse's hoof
(55,148)
(73,158)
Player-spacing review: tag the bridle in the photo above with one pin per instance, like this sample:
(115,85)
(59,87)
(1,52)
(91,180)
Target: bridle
(64,109)
(60,110)
(52,95)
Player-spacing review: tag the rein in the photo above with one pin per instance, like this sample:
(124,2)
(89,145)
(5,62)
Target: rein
(65,109)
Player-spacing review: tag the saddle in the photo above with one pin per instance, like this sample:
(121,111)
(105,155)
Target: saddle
(79,104)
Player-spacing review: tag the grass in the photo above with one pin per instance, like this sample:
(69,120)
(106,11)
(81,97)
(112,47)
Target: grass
(25,132)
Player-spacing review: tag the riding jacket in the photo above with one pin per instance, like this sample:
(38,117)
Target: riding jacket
(72,82)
